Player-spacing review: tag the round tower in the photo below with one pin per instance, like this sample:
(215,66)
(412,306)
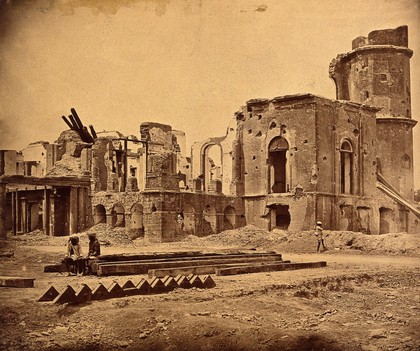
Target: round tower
(377,72)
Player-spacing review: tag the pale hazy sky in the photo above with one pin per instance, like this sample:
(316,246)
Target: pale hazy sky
(187,63)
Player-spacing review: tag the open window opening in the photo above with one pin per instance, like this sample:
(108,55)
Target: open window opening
(277,159)
(346,167)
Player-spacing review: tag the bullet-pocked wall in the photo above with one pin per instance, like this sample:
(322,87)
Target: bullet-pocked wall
(162,216)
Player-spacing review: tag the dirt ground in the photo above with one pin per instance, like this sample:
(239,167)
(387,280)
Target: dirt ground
(367,298)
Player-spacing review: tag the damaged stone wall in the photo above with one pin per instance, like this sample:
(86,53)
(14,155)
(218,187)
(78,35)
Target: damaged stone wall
(162,151)
(162,212)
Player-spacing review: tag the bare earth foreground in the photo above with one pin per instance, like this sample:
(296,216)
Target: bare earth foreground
(367,298)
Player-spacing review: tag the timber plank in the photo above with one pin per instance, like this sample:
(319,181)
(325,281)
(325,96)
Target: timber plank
(192,258)
(268,268)
(144,267)
(16,282)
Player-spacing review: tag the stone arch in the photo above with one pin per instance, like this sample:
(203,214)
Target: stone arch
(189,219)
(212,166)
(137,216)
(99,214)
(209,220)
(279,177)
(118,215)
(229,218)
(346,167)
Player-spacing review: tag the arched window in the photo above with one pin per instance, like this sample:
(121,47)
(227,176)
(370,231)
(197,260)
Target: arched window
(346,167)
(99,214)
(277,159)
(229,218)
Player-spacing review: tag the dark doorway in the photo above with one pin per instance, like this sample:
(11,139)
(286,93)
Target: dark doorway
(61,211)
(100,214)
(282,217)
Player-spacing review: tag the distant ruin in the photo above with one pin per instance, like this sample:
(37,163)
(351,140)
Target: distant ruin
(284,163)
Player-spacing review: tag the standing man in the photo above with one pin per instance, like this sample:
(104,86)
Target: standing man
(319,235)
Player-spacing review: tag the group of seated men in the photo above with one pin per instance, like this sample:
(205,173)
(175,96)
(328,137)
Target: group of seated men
(75,261)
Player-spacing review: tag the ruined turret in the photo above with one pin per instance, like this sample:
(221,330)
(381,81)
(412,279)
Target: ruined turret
(377,72)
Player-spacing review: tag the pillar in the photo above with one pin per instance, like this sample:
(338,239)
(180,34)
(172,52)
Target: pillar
(24,217)
(3,211)
(51,215)
(81,208)
(73,210)
(46,213)
(13,212)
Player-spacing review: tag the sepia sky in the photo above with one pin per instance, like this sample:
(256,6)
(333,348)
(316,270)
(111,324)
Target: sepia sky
(187,63)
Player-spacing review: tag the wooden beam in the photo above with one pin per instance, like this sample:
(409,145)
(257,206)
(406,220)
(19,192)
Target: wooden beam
(269,268)
(144,266)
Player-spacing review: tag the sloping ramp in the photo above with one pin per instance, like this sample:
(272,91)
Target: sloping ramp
(383,185)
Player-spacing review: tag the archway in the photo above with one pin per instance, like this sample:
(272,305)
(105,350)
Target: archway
(277,159)
(99,215)
(118,216)
(211,166)
(209,220)
(137,216)
(229,218)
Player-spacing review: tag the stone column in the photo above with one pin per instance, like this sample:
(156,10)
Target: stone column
(24,217)
(13,212)
(51,215)
(3,211)
(73,210)
(82,208)
(46,212)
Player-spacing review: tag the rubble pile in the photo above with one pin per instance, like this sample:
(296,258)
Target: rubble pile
(67,166)
(245,236)
(305,241)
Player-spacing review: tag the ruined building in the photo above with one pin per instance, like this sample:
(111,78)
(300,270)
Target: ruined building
(284,162)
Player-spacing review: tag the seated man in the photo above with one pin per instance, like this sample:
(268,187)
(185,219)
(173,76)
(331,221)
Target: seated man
(94,246)
(94,251)
(74,256)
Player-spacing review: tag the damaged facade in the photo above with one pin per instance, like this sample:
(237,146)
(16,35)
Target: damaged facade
(283,163)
